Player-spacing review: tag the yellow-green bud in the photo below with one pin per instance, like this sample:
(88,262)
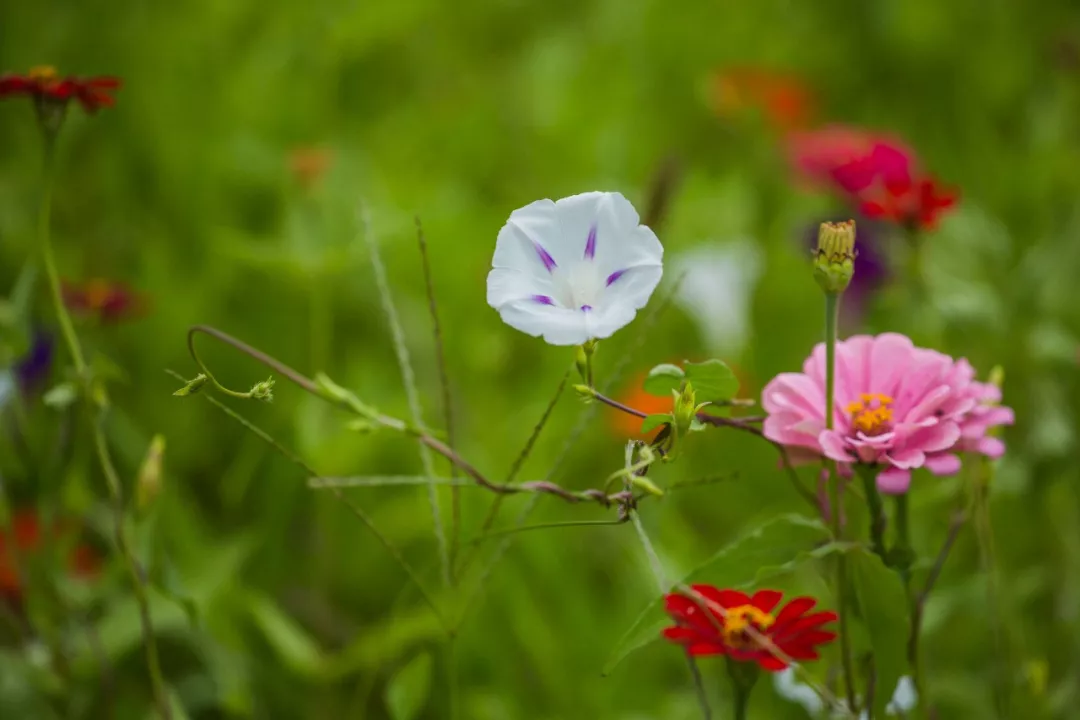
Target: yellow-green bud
(149,484)
(193,386)
(834,258)
(685,409)
(263,390)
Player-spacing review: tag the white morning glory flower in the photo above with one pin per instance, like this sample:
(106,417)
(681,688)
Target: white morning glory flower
(574,270)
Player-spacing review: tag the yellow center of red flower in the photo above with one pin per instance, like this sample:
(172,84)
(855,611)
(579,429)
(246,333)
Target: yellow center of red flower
(739,619)
(871,413)
(97,294)
(44,74)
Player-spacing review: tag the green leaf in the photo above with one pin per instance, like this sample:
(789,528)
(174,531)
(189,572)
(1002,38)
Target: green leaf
(713,380)
(407,692)
(777,546)
(662,379)
(884,606)
(296,648)
(654,421)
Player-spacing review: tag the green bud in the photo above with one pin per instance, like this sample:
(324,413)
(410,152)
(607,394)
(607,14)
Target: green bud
(834,258)
(685,409)
(193,386)
(585,392)
(583,359)
(148,485)
(263,390)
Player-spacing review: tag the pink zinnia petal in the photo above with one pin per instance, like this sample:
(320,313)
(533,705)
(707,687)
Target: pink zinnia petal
(946,464)
(893,481)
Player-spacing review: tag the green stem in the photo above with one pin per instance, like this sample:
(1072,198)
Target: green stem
(112,480)
(832,312)
(902,556)
(877,512)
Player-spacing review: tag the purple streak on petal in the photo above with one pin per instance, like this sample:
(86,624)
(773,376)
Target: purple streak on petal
(543,299)
(614,276)
(545,257)
(586,308)
(590,244)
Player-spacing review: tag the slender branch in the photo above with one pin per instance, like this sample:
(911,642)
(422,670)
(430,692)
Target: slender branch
(493,510)
(434,443)
(832,313)
(412,395)
(447,398)
(112,480)
(353,508)
(745,424)
(956,524)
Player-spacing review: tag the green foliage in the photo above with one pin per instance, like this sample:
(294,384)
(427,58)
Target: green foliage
(713,380)
(883,604)
(407,693)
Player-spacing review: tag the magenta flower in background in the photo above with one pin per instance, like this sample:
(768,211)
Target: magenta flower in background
(897,406)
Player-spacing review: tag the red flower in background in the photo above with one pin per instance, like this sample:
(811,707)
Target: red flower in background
(43,84)
(109,301)
(879,174)
(785,100)
(729,622)
(26,536)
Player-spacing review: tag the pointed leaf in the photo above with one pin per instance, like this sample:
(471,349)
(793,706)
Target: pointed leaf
(776,544)
(295,647)
(407,692)
(884,606)
(662,379)
(654,421)
(713,380)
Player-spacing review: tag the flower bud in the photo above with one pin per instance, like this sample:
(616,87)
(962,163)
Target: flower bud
(193,386)
(685,409)
(834,258)
(148,486)
(585,392)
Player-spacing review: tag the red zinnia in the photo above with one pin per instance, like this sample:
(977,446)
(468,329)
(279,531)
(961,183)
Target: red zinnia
(718,622)
(110,301)
(43,83)
(26,532)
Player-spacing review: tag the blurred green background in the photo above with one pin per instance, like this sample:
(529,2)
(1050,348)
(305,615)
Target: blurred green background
(272,600)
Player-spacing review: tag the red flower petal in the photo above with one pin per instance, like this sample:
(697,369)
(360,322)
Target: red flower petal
(771,663)
(794,609)
(766,600)
(723,598)
(706,648)
(792,628)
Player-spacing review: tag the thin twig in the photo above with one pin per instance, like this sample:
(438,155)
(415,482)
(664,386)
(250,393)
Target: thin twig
(412,394)
(355,509)
(96,421)
(956,524)
(447,398)
(493,510)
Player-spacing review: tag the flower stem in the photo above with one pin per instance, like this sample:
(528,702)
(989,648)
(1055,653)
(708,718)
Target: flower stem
(112,479)
(877,511)
(832,313)
(902,555)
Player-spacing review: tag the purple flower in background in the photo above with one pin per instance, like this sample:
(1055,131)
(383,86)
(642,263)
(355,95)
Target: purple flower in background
(32,369)
(871,269)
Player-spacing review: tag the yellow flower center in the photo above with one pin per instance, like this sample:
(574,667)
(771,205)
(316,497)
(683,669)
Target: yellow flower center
(97,294)
(871,413)
(43,73)
(739,619)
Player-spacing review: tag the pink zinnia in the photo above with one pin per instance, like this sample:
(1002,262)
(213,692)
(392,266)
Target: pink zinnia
(816,155)
(897,406)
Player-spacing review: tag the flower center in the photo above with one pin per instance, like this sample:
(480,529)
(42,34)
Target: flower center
(44,74)
(871,414)
(739,620)
(578,288)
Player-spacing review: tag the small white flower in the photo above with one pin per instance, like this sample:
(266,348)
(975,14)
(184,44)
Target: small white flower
(574,270)
(717,287)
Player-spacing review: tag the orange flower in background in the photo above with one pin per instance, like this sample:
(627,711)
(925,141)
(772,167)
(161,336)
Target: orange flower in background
(43,84)
(309,164)
(26,536)
(785,100)
(107,300)
(748,628)
(629,426)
